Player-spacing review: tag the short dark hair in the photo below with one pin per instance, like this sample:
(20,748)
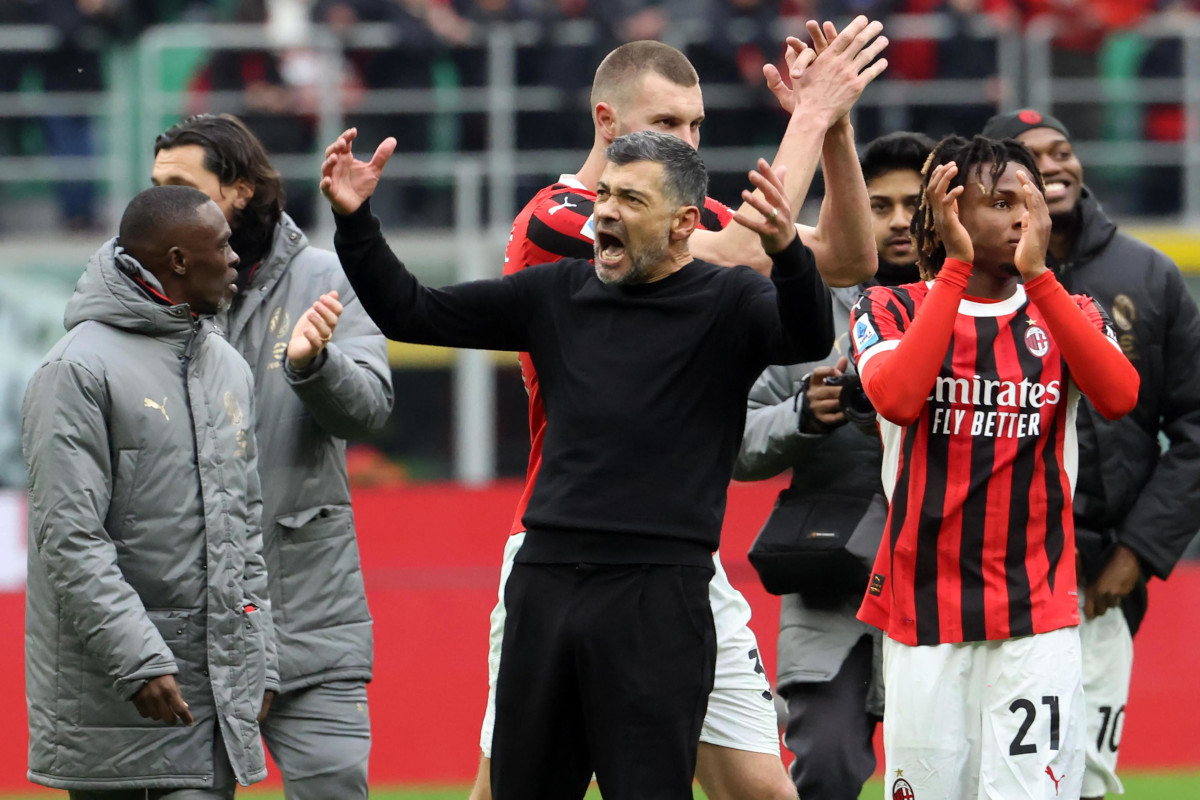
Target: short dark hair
(685,180)
(232,153)
(153,213)
(972,158)
(895,151)
(160,207)
(623,66)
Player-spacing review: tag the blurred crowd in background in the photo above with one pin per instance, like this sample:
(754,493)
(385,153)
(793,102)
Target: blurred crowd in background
(438,46)
(439,50)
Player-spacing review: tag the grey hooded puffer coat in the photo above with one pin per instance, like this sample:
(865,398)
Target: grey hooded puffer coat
(145,546)
(319,603)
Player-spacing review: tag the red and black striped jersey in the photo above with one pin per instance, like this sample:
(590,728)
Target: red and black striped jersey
(556,224)
(980,541)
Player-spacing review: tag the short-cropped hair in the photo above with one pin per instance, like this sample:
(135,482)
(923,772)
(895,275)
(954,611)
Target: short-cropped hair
(621,68)
(155,211)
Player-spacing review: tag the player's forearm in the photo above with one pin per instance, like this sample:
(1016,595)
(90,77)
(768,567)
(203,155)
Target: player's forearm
(842,240)
(898,381)
(1098,367)
(799,151)
(733,246)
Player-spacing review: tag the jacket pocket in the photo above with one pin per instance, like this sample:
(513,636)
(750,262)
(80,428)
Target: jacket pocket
(102,706)
(124,481)
(255,647)
(320,578)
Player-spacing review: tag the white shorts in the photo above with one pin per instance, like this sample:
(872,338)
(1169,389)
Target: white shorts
(1000,720)
(1107,668)
(741,710)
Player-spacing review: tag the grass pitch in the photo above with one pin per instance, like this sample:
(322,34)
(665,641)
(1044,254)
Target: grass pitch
(1138,786)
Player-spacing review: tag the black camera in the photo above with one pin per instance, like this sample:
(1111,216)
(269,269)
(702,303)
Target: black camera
(853,401)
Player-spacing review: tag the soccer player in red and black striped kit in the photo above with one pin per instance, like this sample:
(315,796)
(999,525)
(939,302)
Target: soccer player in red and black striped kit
(648,85)
(975,374)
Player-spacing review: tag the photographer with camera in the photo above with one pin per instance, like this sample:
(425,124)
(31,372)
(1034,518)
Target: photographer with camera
(819,541)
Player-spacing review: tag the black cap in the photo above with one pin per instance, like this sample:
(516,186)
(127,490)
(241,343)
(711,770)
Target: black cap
(1014,123)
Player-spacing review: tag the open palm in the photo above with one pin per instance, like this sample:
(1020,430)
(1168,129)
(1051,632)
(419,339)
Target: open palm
(943,202)
(347,182)
(1030,257)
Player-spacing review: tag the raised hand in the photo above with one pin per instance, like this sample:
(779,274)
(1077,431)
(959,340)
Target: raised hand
(943,201)
(160,699)
(798,56)
(1035,230)
(347,182)
(313,330)
(844,66)
(776,228)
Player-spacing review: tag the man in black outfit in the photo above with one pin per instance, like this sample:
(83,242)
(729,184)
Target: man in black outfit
(644,361)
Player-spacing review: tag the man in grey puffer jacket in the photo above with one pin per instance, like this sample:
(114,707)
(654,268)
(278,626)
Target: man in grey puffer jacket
(147,600)
(828,671)
(321,376)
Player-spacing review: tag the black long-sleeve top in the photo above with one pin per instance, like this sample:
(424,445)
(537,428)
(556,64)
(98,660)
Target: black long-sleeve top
(644,385)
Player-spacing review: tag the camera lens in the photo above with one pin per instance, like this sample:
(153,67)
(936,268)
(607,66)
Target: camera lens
(853,401)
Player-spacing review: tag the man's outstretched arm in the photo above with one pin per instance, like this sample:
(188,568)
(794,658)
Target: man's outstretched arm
(480,314)
(842,239)
(819,99)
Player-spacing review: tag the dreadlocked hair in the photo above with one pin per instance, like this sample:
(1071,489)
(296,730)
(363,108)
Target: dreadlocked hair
(972,157)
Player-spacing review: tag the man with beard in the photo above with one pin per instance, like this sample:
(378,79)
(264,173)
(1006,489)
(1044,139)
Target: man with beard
(320,376)
(149,654)
(828,660)
(643,360)
(647,85)
(1135,506)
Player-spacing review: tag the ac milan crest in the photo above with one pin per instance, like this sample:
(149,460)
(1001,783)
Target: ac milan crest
(901,790)
(1037,341)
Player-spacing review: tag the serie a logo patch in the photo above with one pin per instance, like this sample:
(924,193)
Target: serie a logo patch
(864,334)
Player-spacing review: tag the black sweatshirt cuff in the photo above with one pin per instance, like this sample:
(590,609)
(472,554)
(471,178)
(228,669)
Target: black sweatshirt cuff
(794,260)
(356,226)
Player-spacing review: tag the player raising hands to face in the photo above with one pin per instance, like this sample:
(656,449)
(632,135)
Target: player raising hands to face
(975,375)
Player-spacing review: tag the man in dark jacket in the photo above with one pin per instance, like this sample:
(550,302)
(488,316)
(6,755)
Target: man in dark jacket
(321,376)
(149,655)
(1136,506)
(828,660)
